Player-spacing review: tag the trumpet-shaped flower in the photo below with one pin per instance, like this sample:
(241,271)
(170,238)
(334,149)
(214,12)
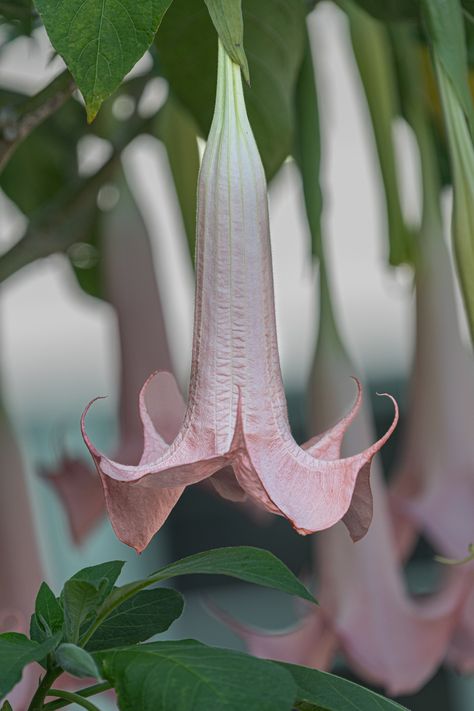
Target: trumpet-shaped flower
(127,258)
(363,601)
(433,490)
(20,560)
(236,413)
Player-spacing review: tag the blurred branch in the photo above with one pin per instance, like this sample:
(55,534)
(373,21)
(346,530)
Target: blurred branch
(63,222)
(18,121)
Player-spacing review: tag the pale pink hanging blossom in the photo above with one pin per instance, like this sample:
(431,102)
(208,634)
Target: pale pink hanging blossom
(433,489)
(127,262)
(20,560)
(386,637)
(236,413)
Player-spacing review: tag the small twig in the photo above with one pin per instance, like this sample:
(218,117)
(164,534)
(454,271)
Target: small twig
(18,121)
(72,698)
(84,693)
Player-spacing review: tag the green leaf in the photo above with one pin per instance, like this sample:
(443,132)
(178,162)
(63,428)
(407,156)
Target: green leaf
(375,62)
(46,160)
(253,565)
(308,146)
(137,619)
(274,44)
(81,600)
(445,28)
(48,610)
(103,575)
(178,131)
(101,40)
(226,16)
(391,10)
(76,661)
(6,707)
(189,676)
(16,651)
(85,592)
(331,692)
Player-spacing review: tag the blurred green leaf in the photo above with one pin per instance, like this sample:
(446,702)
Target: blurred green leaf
(46,160)
(76,661)
(392,10)
(101,40)
(274,35)
(371,45)
(178,131)
(16,651)
(226,16)
(189,676)
(308,146)
(148,613)
(335,694)
(444,25)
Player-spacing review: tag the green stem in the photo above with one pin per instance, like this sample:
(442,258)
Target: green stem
(73,698)
(18,121)
(84,693)
(37,702)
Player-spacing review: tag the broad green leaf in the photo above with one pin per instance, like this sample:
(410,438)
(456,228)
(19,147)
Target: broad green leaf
(80,600)
(335,694)
(48,609)
(445,28)
(226,16)
(48,618)
(178,131)
(76,661)
(16,651)
(371,47)
(274,43)
(308,146)
(189,676)
(253,565)
(104,575)
(101,40)
(148,613)
(6,707)
(85,592)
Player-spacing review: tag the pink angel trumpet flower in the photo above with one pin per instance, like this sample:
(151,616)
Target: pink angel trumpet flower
(236,413)
(20,561)
(127,259)
(363,601)
(433,487)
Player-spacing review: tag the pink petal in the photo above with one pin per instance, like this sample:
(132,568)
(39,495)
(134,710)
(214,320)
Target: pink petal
(81,494)
(311,642)
(20,560)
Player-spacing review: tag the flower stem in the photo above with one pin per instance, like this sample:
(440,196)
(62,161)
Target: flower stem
(72,698)
(83,693)
(37,702)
